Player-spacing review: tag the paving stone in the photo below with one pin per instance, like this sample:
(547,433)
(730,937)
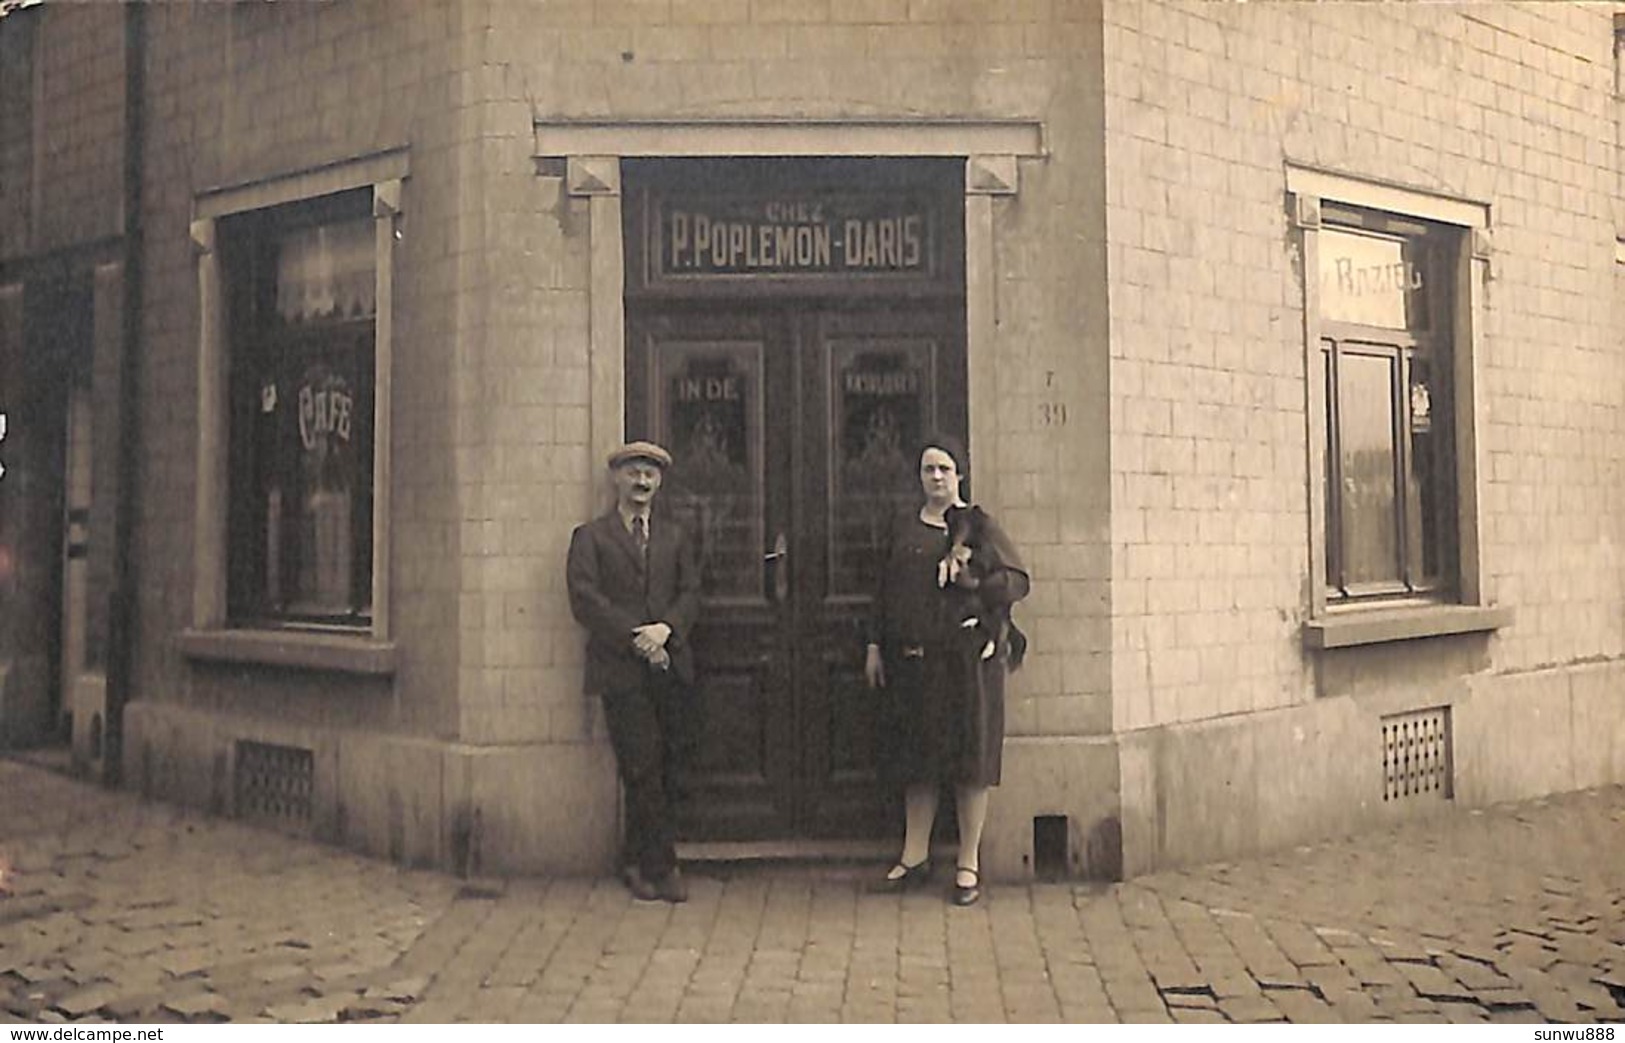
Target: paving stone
(185,962)
(791,943)
(316,1010)
(401,989)
(1238,987)
(196,1004)
(1197,1016)
(1302,1007)
(84,1000)
(1179,979)
(1509,996)
(1432,983)
(1350,1004)
(1520,1016)
(1243,1010)
(35,974)
(1145,1016)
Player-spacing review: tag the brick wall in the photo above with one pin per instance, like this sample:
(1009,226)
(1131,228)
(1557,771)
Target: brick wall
(61,128)
(1499,103)
(239,93)
(17,55)
(708,59)
(80,149)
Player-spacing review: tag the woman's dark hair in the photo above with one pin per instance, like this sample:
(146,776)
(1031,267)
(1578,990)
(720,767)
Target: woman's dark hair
(950,445)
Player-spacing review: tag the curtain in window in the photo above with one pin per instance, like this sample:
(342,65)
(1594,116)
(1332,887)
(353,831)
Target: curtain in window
(326,272)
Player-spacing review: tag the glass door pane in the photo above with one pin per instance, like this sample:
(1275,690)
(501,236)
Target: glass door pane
(1370,495)
(708,398)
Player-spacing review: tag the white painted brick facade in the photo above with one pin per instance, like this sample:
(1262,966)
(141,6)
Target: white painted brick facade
(1508,105)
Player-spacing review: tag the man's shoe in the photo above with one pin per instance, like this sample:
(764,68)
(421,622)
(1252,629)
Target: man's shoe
(671,888)
(640,887)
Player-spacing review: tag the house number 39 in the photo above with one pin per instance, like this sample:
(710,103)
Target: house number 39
(1051,414)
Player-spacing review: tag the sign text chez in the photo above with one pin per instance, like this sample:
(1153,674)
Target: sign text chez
(793,238)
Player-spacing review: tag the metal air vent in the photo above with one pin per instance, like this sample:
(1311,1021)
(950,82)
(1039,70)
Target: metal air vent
(274,782)
(1416,760)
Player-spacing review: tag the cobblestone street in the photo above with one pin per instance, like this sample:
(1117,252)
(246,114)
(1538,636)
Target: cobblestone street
(140,912)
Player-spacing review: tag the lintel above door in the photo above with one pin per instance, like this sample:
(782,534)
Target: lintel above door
(591,151)
(765,137)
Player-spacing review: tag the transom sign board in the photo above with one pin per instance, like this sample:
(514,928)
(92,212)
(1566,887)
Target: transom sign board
(686,239)
(797,237)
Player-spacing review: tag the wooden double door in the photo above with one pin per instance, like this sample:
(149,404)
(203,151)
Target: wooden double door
(794,425)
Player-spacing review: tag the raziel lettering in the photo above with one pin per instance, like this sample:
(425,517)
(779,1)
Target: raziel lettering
(1359,281)
(897,382)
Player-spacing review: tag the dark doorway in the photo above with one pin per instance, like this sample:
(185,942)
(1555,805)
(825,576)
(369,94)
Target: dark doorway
(58,316)
(792,371)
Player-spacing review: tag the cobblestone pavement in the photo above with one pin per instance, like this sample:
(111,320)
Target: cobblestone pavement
(140,912)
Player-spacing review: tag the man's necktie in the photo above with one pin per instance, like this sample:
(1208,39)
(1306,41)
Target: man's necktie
(640,535)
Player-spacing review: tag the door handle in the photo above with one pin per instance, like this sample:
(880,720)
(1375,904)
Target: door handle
(781,577)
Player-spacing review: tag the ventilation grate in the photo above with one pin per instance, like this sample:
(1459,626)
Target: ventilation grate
(1416,759)
(274,782)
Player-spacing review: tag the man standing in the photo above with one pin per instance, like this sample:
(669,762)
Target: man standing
(635,585)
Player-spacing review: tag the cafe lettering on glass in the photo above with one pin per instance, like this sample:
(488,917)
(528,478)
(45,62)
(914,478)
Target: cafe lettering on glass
(324,410)
(830,236)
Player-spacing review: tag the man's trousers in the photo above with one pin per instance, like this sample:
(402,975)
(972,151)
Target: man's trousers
(646,728)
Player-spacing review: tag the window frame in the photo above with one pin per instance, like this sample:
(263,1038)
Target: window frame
(258,342)
(213,633)
(1428,343)
(1467,605)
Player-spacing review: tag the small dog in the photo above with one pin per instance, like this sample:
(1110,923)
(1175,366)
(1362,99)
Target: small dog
(969,551)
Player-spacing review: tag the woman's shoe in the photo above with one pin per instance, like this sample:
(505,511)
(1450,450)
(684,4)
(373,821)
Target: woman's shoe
(963,894)
(902,878)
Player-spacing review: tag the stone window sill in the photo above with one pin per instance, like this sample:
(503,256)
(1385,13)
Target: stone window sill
(340,653)
(1370,626)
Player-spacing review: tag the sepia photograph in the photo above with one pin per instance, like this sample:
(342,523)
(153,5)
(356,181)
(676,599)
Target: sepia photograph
(741,512)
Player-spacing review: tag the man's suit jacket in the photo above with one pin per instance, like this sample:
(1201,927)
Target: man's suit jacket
(612,591)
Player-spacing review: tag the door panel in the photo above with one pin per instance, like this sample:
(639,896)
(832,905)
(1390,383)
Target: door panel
(793,426)
(874,383)
(702,385)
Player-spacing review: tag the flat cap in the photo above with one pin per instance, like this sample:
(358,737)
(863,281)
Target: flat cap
(640,451)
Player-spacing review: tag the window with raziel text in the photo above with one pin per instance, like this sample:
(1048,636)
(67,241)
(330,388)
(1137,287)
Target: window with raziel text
(1385,312)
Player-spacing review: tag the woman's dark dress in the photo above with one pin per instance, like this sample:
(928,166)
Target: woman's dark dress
(942,710)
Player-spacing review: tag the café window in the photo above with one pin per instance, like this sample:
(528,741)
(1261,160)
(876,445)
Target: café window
(300,282)
(1384,362)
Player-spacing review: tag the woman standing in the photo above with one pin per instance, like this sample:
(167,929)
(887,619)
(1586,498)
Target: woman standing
(939,644)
